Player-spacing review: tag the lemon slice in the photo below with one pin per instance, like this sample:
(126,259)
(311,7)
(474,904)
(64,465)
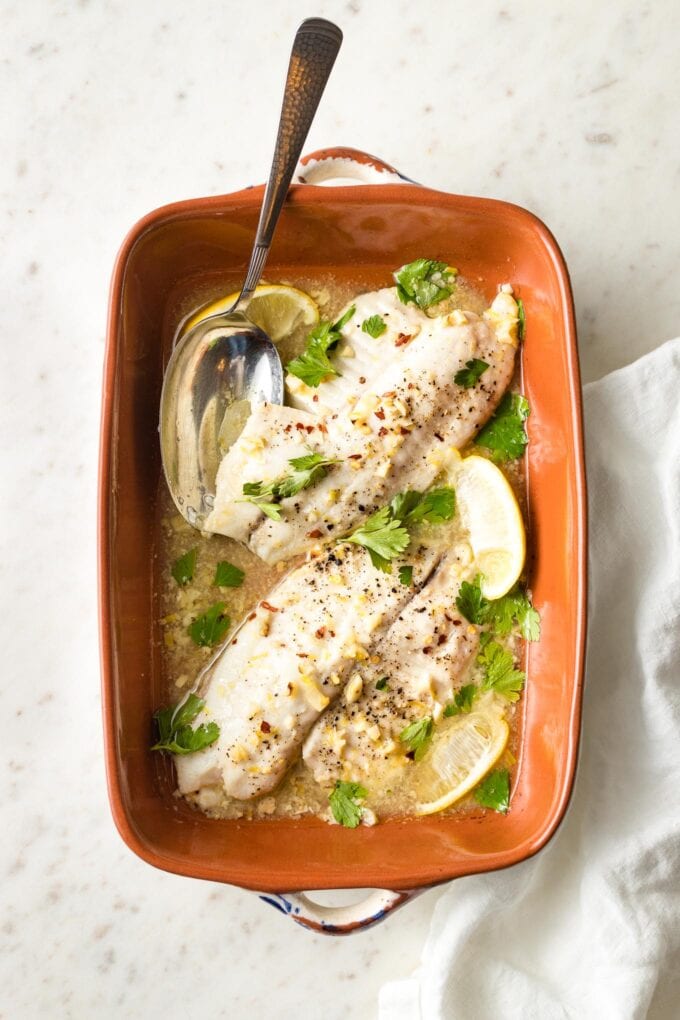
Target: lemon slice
(275,308)
(464,750)
(493,521)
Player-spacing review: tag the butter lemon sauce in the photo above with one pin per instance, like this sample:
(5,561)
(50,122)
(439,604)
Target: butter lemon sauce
(392,784)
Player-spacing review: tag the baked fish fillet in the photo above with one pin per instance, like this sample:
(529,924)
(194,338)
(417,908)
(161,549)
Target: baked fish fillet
(398,435)
(289,661)
(424,657)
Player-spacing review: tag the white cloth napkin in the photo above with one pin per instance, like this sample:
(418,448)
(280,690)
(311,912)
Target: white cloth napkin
(590,928)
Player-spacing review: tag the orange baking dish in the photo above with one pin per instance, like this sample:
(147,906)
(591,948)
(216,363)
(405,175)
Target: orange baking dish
(352,231)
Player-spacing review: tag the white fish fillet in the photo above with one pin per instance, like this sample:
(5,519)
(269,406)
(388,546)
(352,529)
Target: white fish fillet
(398,435)
(423,657)
(288,662)
(359,358)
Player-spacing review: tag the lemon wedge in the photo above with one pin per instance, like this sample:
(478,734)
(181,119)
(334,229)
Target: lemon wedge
(464,750)
(493,520)
(275,308)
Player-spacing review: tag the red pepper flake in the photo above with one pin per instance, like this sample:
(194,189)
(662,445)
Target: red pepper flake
(447,617)
(390,393)
(288,428)
(302,655)
(439,437)
(300,426)
(315,398)
(355,456)
(314,534)
(383,432)
(269,606)
(427,649)
(265,727)
(362,379)
(456,623)
(322,428)
(380,414)
(402,339)
(234,641)
(252,616)
(310,429)
(403,431)
(441,639)
(332,633)
(290,688)
(321,632)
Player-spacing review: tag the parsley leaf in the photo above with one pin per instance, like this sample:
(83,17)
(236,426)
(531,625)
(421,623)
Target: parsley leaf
(471,603)
(512,609)
(183,569)
(375,326)
(228,576)
(521,320)
(208,629)
(424,282)
(500,674)
(314,365)
(406,575)
(384,538)
(462,701)
(175,734)
(417,736)
(471,374)
(385,533)
(344,801)
(494,791)
(382,684)
(504,435)
(433,507)
(307,470)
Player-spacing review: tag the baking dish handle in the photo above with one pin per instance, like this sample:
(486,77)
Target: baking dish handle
(345,920)
(342,166)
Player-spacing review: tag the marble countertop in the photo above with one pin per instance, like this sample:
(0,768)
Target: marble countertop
(110,109)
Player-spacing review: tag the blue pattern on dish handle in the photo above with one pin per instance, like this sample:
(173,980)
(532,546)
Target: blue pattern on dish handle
(339,920)
(328,171)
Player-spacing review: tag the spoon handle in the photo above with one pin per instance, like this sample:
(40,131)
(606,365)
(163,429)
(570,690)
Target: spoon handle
(314,51)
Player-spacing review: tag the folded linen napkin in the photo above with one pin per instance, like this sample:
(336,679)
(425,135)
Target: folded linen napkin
(590,928)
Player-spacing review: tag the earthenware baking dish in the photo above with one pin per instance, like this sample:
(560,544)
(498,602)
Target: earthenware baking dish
(365,229)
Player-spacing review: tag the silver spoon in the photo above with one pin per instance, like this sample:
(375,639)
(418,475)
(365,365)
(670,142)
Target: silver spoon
(226,363)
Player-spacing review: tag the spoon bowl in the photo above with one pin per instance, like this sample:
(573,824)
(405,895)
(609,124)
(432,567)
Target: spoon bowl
(226,363)
(219,370)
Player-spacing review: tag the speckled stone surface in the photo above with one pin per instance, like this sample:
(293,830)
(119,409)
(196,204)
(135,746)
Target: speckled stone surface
(108,109)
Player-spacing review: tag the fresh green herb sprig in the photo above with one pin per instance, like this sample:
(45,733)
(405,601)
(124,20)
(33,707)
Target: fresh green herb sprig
(382,684)
(183,569)
(470,375)
(175,733)
(374,325)
(209,628)
(406,575)
(502,615)
(417,736)
(462,701)
(345,803)
(383,537)
(307,471)
(494,791)
(424,282)
(504,435)
(385,534)
(228,576)
(499,673)
(314,365)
